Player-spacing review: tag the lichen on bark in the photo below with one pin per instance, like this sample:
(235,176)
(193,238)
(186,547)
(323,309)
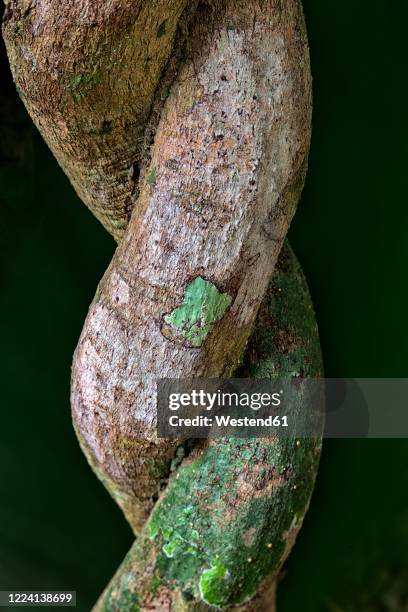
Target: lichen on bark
(221,530)
(202,306)
(184,127)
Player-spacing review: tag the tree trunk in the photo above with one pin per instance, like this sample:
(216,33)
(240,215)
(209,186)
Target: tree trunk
(229,516)
(184,127)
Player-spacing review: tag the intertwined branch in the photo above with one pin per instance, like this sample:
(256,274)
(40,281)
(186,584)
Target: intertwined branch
(184,127)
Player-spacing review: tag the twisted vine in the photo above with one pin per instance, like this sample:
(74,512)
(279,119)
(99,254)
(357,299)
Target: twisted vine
(184,127)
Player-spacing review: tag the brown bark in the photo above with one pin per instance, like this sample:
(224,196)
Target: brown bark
(226,169)
(88,73)
(219,189)
(191,119)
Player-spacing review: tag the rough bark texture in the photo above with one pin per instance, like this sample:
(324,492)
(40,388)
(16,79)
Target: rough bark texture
(89,73)
(216,196)
(220,532)
(227,166)
(184,126)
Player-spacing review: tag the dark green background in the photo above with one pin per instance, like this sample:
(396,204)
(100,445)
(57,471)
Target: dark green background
(58,527)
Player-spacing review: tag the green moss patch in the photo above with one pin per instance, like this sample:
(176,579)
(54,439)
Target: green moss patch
(203,305)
